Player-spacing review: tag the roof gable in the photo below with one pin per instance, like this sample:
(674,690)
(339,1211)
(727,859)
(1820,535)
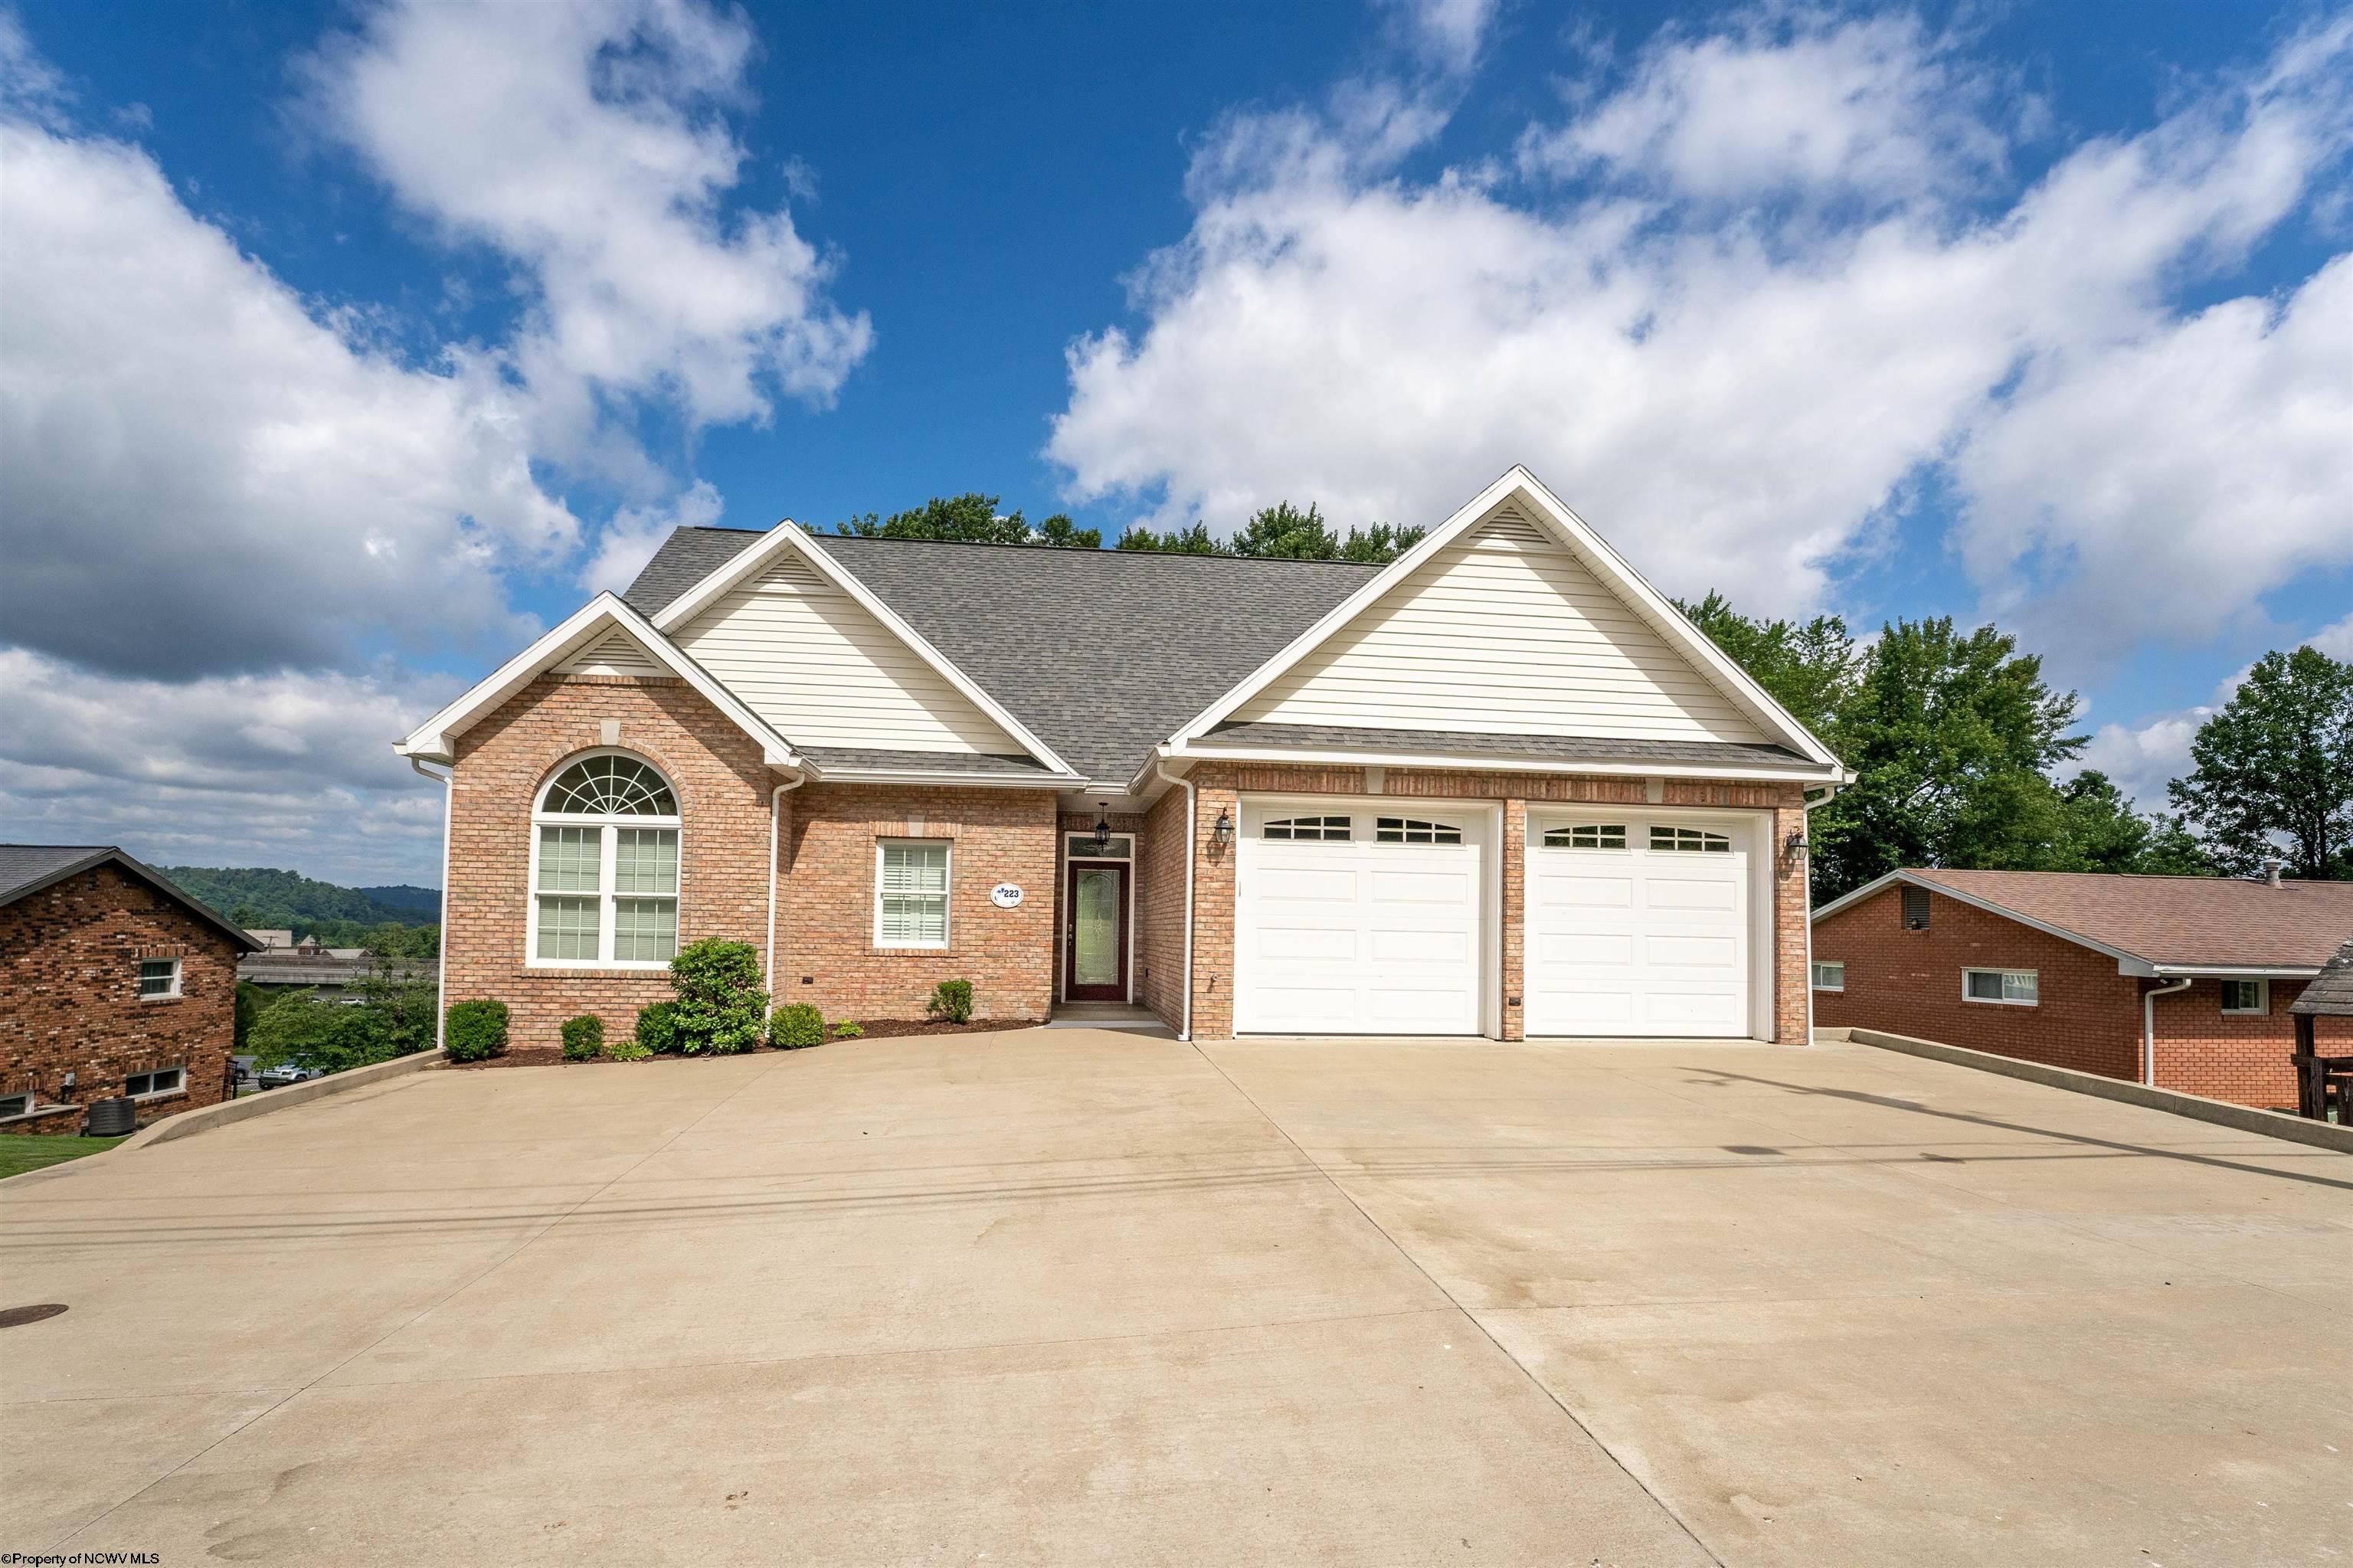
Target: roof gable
(1617,659)
(26,869)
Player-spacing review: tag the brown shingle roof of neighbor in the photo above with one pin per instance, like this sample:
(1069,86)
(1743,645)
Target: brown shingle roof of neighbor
(2332,994)
(2174,921)
(25,869)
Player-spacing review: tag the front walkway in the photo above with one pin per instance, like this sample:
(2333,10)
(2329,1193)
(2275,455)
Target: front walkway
(1067,1296)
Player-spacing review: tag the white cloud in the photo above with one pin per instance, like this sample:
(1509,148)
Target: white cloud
(633,535)
(2337,641)
(586,143)
(246,770)
(1740,396)
(2143,760)
(203,473)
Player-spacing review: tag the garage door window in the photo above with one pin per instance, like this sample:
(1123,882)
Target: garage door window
(1688,840)
(1408,831)
(1587,835)
(1326,829)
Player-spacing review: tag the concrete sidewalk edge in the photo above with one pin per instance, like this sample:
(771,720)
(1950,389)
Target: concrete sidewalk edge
(2222,1113)
(187,1124)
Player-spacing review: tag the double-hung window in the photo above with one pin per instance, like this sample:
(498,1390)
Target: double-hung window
(911,893)
(605,867)
(159,978)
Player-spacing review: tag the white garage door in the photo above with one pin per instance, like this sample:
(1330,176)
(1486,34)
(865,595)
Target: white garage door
(1637,926)
(1357,921)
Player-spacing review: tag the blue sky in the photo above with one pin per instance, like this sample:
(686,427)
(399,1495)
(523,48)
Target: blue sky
(346,343)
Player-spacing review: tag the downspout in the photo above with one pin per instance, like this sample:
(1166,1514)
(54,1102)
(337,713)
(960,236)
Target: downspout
(2148,1026)
(441,953)
(1192,852)
(775,811)
(1806,869)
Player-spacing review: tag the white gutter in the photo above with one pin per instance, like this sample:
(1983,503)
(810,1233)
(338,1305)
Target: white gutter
(2148,1026)
(1192,852)
(775,810)
(441,954)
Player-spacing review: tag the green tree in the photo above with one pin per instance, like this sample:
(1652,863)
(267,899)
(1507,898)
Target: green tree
(2275,767)
(971,518)
(393,1017)
(1811,669)
(1380,543)
(1058,533)
(1195,541)
(2100,830)
(1951,737)
(1283,530)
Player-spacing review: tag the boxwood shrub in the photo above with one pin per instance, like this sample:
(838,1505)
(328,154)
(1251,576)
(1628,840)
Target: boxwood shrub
(951,1000)
(797,1027)
(476,1031)
(721,1007)
(584,1037)
(658,1027)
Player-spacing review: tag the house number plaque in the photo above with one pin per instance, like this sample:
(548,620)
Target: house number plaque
(1006,895)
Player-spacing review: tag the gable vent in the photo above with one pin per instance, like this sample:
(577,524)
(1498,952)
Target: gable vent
(1509,525)
(789,571)
(615,653)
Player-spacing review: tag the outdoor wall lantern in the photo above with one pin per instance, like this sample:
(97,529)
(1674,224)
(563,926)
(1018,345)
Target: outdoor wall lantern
(1102,829)
(1224,831)
(1794,846)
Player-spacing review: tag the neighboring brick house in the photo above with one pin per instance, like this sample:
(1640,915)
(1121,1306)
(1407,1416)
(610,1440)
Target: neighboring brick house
(1500,787)
(2184,982)
(113,982)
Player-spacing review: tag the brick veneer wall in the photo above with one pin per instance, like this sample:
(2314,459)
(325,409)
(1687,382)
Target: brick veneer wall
(1220,786)
(825,916)
(69,996)
(1160,909)
(722,792)
(2086,1017)
(2237,1057)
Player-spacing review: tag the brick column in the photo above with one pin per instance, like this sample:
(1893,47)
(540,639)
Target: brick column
(1213,903)
(1792,981)
(1516,917)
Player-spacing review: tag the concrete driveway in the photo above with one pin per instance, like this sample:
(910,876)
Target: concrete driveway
(1069,1296)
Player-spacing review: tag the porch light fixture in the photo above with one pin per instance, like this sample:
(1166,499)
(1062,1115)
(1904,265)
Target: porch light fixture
(1793,845)
(1224,831)
(1102,829)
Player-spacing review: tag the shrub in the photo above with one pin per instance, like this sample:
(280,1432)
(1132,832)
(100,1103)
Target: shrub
(658,1027)
(846,1029)
(626,1051)
(584,1037)
(795,1028)
(951,1000)
(721,1007)
(476,1031)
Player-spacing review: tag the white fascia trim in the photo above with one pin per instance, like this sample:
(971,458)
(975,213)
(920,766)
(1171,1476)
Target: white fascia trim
(2127,963)
(1055,782)
(1483,762)
(433,741)
(788,535)
(1606,563)
(2235,971)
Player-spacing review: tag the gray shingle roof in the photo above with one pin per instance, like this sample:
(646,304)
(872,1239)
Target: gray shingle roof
(25,869)
(1558,747)
(1102,653)
(2331,995)
(854,756)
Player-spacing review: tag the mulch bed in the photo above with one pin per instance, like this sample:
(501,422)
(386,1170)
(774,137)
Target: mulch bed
(875,1028)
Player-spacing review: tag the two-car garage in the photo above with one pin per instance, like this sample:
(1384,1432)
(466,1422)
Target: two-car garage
(1385,917)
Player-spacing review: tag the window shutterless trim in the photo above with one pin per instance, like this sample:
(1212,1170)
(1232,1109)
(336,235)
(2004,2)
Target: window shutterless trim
(946,895)
(172,990)
(2033,976)
(606,893)
(1823,978)
(2262,1007)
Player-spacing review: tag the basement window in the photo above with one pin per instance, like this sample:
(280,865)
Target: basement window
(15,1105)
(1829,976)
(2251,998)
(2015,988)
(161,1081)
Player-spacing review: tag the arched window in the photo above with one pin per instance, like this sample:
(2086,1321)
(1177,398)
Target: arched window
(604,866)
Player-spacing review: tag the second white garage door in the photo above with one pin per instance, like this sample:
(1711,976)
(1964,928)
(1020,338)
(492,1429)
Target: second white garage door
(1637,926)
(1350,921)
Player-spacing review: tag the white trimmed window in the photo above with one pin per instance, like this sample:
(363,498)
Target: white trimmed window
(2015,988)
(2251,998)
(911,893)
(1830,976)
(1413,831)
(159,978)
(1330,829)
(15,1106)
(159,1081)
(604,867)
(1587,835)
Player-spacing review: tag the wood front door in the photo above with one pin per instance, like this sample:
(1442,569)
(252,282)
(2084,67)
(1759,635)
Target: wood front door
(1094,935)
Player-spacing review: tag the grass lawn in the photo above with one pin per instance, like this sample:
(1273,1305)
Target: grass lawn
(31,1150)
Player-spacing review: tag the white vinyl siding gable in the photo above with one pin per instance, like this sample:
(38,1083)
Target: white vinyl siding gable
(1507,632)
(615,653)
(823,670)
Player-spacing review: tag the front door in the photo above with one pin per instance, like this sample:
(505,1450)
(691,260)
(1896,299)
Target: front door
(1095,941)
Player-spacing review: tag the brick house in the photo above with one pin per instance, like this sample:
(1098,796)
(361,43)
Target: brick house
(1499,787)
(2183,983)
(113,982)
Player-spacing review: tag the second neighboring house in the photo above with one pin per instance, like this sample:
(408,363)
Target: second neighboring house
(113,982)
(1500,787)
(2183,983)
(333,974)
